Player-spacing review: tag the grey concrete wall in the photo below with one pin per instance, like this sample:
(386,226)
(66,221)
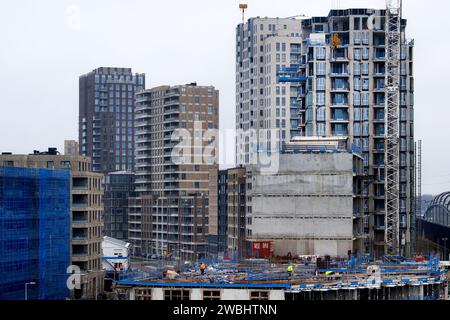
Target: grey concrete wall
(307,207)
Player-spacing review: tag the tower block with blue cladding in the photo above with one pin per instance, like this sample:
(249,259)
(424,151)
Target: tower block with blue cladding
(34,233)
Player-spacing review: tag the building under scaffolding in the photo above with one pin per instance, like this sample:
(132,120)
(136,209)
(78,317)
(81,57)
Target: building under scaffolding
(34,233)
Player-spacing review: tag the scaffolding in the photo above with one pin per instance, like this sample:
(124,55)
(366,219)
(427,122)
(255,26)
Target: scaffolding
(34,233)
(338,274)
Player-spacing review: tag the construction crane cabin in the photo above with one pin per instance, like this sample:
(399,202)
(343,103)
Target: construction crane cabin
(243,7)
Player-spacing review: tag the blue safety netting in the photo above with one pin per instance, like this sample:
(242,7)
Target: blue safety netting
(34,233)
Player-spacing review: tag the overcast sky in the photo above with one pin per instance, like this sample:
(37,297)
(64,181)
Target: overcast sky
(43,50)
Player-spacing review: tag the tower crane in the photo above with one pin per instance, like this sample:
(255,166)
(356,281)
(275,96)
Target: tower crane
(243,7)
(392,98)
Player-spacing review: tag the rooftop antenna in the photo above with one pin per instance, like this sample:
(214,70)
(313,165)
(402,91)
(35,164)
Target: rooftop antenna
(243,7)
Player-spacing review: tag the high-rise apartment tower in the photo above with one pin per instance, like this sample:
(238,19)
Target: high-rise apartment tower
(325,76)
(183,189)
(106,117)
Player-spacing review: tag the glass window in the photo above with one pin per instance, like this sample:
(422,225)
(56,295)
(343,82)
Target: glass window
(365,84)
(321,67)
(321,129)
(356,99)
(365,53)
(320,83)
(321,53)
(357,129)
(320,98)
(356,68)
(176,294)
(320,114)
(365,99)
(357,37)
(357,114)
(357,54)
(65,164)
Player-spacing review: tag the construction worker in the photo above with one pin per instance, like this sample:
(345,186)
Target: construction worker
(290,270)
(329,275)
(202,268)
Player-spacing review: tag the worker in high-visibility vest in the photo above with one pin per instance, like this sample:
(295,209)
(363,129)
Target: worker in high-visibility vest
(329,275)
(290,270)
(202,268)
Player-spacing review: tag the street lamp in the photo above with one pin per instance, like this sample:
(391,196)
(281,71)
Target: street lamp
(96,279)
(26,288)
(445,248)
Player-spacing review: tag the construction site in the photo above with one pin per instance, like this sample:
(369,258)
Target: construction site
(301,278)
(356,254)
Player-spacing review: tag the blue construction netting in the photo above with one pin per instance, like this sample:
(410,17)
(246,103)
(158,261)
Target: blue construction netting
(34,233)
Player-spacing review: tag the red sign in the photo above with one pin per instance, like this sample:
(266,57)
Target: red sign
(262,249)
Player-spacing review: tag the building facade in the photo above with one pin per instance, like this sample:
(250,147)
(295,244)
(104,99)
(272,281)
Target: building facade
(34,233)
(351,102)
(182,184)
(119,186)
(106,117)
(263,47)
(394,288)
(232,241)
(335,75)
(222,212)
(86,208)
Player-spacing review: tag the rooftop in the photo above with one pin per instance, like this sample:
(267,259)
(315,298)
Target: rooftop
(261,273)
(116,241)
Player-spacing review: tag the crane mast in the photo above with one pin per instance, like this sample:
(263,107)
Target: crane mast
(392,97)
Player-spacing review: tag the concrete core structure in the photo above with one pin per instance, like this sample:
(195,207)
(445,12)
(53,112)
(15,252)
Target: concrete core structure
(308,206)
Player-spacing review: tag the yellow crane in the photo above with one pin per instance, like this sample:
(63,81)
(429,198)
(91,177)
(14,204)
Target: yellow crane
(243,7)
(335,41)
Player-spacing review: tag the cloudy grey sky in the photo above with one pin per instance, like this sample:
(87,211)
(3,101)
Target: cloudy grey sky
(42,53)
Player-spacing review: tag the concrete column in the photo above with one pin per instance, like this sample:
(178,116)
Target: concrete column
(157,294)
(446,297)
(196,294)
(276,295)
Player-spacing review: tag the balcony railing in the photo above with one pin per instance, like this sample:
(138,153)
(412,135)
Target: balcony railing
(80,221)
(80,237)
